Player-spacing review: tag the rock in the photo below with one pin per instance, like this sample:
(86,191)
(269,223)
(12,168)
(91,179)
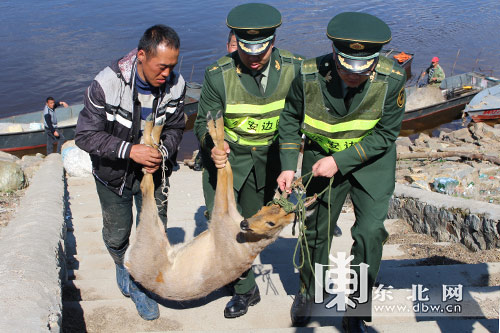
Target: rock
(67,144)
(422,140)
(462,134)
(399,150)
(11,176)
(8,157)
(30,164)
(403,141)
(76,161)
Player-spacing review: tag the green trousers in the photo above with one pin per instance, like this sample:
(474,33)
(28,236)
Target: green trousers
(249,199)
(368,231)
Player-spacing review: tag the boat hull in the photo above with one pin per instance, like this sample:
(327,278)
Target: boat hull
(31,141)
(459,90)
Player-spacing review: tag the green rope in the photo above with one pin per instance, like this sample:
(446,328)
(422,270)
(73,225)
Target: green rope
(300,217)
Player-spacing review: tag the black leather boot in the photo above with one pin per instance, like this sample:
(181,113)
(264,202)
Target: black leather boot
(239,303)
(354,325)
(300,312)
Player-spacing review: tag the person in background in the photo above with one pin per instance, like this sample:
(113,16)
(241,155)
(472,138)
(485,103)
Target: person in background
(138,87)
(50,124)
(231,46)
(231,42)
(249,87)
(435,73)
(350,105)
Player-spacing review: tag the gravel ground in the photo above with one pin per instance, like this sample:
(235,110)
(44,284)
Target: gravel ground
(421,246)
(8,205)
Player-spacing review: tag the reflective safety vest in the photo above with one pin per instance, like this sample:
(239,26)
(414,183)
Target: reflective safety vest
(332,133)
(253,120)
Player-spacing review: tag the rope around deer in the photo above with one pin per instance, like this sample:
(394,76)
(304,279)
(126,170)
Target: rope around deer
(300,216)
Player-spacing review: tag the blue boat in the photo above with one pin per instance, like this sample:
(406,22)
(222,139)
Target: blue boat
(485,105)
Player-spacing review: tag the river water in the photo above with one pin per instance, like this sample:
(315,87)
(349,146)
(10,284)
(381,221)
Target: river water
(56,47)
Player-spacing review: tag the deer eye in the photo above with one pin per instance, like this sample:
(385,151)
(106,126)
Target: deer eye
(271,224)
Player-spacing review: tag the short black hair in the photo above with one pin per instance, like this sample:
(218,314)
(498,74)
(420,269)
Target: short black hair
(231,34)
(156,35)
(50,98)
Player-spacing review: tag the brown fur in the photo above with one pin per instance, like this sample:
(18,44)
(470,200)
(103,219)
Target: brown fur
(214,258)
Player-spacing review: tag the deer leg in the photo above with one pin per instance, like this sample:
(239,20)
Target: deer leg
(216,131)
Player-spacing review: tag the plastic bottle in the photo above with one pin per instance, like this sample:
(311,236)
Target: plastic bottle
(445,185)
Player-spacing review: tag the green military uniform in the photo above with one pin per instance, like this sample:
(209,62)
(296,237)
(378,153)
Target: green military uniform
(360,138)
(250,119)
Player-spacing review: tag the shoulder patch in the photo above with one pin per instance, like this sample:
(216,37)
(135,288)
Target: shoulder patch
(401,97)
(213,69)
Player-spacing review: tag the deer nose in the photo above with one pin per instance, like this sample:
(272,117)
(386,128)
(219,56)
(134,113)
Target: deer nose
(244,225)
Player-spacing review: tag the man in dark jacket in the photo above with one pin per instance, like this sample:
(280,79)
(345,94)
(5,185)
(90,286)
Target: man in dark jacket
(142,85)
(50,124)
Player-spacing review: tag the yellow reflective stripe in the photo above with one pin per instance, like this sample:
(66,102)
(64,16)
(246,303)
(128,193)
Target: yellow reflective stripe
(334,145)
(253,125)
(357,124)
(252,108)
(238,139)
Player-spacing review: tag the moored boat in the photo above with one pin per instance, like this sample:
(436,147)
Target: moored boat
(442,104)
(485,105)
(25,132)
(404,59)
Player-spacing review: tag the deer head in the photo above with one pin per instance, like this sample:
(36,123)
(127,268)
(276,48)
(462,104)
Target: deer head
(270,220)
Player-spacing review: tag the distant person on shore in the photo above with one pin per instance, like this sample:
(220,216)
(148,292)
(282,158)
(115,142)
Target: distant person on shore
(435,73)
(141,85)
(231,46)
(50,124)
(249,87)
(231,42)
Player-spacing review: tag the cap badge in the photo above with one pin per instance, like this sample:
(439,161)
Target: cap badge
(277,65)
(253,32)
(357,46)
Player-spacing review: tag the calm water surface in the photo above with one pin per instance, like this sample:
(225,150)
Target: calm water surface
(57,47)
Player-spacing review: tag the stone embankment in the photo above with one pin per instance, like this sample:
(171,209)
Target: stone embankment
(449,186)
(32,259)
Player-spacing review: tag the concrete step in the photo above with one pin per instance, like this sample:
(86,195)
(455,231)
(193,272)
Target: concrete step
(206,314)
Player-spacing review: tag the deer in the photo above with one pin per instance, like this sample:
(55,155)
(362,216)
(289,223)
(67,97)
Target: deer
(215,257)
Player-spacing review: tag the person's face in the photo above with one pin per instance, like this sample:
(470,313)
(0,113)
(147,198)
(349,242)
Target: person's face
(155,69)
(232,45)
(51,103)
(352,80)
(256,62)
(434,64)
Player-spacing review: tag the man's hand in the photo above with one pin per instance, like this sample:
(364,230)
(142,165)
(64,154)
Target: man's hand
(147,156)
(220,156)
(64,104)
(56,134)
(285,180)
(325,167)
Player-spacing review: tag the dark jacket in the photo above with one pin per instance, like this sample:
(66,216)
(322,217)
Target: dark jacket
(110,122)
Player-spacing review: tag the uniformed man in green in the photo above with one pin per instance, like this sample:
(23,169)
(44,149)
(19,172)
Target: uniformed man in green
(350,105)
(249,86)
